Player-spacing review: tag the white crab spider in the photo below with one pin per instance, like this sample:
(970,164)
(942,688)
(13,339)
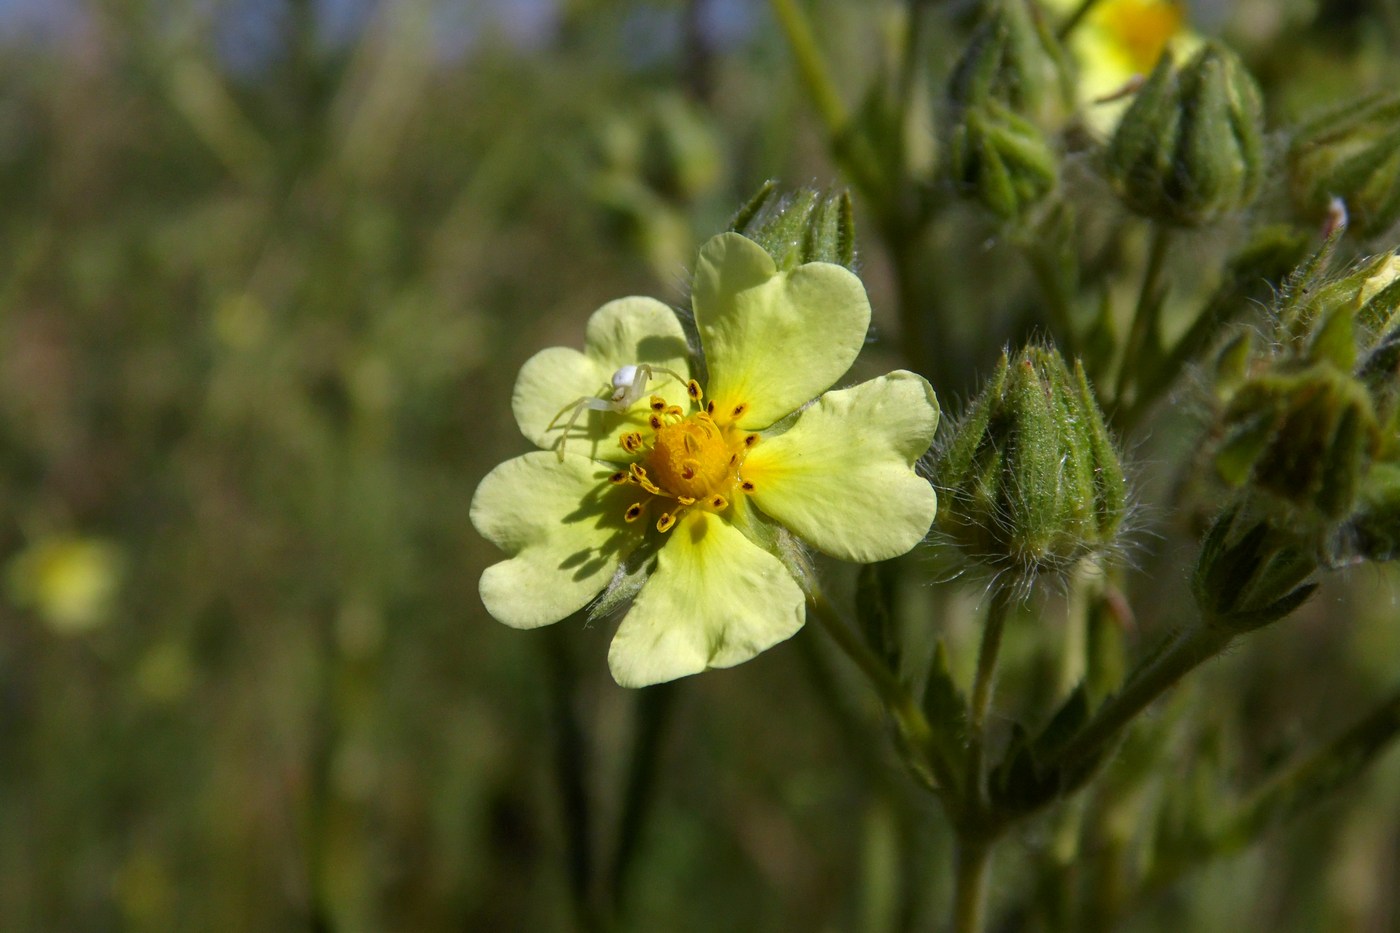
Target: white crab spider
(629,384)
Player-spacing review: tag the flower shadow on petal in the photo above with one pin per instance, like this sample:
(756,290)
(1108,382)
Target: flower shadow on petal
(605,506)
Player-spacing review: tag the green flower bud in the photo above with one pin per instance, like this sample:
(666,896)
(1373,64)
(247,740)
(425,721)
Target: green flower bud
(1378,317)
(1306,421)
(1306,438)
(1015,58)
(1366,295)
(1002,160)
(1249,572)
(1188,150)
(1030,481)
(805,226)
(1352,153)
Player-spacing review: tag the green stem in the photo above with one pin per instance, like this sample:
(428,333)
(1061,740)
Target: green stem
(916,19)
(569,751)
(1340,761)
(1189,650)
(913,725)
(982,694)
(1149,306)
(654,712)
(1296,788)
(970,885)
(975,825)
(1075,19)
(1057,306)
(816,76)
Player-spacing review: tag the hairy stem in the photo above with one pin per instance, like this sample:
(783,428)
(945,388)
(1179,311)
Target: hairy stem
(982,695)
(1187,651)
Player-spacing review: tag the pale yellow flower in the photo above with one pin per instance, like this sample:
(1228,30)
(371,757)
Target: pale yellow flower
(1121,40)
(695,492)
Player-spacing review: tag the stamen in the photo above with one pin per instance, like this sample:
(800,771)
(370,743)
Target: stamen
(632,442)
(676,411)
(634,512)
(619,478)
(664,523)
(639,476)
(710,407)
(685,500)
(746,486)
(655,422)
(692,388)
(689,468)
(719,503)
(750,440)
(658,403)
(739,410)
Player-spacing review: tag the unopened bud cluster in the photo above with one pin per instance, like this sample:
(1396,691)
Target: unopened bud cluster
(804,226)
(1030,480)
(1010,91)
(1353,154)
(1188,151)
(1014,58)
(1311,428)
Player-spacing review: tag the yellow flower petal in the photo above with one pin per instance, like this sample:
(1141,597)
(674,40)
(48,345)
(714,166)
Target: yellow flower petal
(842,477)
(715,600)
(626,332)
(773,340)
(562,525)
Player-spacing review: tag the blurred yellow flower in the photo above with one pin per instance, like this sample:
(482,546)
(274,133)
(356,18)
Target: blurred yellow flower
(69,581)
(694,490)
(1118,41)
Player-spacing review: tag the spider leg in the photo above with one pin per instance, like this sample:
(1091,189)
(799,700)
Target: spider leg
(584,403)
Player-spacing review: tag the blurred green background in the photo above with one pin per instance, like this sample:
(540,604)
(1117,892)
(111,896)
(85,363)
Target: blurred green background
(267,271)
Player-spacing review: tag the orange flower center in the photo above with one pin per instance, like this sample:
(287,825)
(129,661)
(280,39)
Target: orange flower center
(689,461)
(692,458)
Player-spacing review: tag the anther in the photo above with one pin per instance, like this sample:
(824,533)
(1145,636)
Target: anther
(719,503)
(739,409)
(634,512)
(655,422)
(658,403)
(710,407)
(665,522)
(620,477)
(632,442)
(750,440)
(746,486)
(692,388)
